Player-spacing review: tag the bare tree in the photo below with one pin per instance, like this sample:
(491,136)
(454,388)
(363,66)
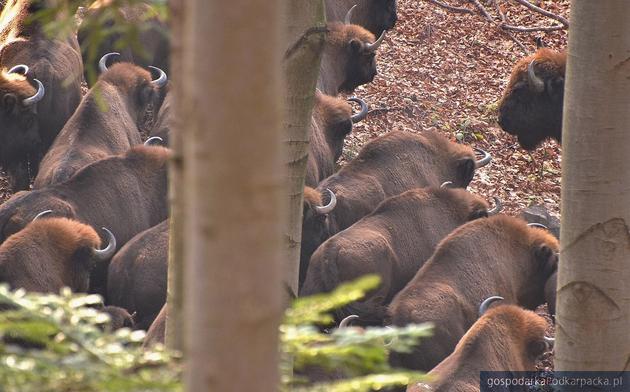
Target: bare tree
(593,291)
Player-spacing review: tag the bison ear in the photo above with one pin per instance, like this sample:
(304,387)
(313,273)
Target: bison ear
(9,104)
(356,45)
(465,171)
(536,348)
(547,259)
(477,214)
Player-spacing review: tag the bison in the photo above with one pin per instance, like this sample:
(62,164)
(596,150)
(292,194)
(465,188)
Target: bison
(499,255)
(125,193)
(49,254)
(331,122)
(157,330)
(505,339)
(164,122)
(349,58)
(107,122)
(136,279)
(40,87)
(392,242)
(531,106)
(387,166)
(375,15)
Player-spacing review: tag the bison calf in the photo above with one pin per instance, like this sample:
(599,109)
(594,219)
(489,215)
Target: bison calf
(499,255)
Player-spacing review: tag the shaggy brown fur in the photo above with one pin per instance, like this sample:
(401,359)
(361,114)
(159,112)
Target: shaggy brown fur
(500,255)
(118,318)
(48,255)
(95,132)
(165,120)
(374,15)
(346,63)
(393,242)
(314,227)
(529,115)
(505,338)
(330,124)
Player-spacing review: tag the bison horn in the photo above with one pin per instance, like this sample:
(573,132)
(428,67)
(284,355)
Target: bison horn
(45,212)
(550,343)
(346,321)
(446,184)
(487,302)
(376,44)
(540,225)
(486,157)
(108,252)
(536,84)
(348,18)
(102,63)
(498,206)
(154,141)
(323,210)
(161,80)
(39,95)
(364,110)
(19,69)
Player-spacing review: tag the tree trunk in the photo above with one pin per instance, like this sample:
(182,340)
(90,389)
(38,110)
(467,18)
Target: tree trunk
(593,291)
(306,34)
(232,190)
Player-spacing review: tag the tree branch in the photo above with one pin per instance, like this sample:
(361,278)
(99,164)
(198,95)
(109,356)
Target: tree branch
(548,14)
(303,38)
(531,29)
(499,11)
(481,9)
(458,10)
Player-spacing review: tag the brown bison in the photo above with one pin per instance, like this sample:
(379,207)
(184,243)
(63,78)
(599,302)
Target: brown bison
(157,330)
(499,255)
(349,58)
(393,242)
(164,122)
(387,166)
(151,45)
(531,106)
(53,253)
(40,87)
(107,122)
(375,15)
(505,339)
(125,193)
(118,318)
(331,122)
(136,279)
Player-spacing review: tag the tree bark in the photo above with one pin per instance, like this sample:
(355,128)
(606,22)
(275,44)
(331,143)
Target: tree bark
(232,190)
(306,36)
(593,291)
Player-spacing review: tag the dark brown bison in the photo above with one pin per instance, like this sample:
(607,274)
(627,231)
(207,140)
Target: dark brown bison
(125,193)
(118,318)
(531,106)
(107,122)
(505,339)
(164,122)
(157,330)
(375,15)
(393,242)
(40,87)
(499,255)
(331,122)
(349,58)
(52,253)
(550,294)
(387,166)
(151,45)
(136,279)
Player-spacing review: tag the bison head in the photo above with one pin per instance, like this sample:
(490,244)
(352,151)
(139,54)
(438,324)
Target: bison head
(52,253)
(375,15)
(531,106)
(543,262)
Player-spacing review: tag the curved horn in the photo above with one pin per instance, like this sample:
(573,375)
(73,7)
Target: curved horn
(364,110)
(487,302)
(322,210)
(45,212)
(102,63)
(19,69)
(498,206)
(161,80)
(378,42)
(486,157)
(446,184)
(540,225)
(39,95)
(348,17)
(346,321)
(536,84)
(550,342)
(154,141)
(108,252)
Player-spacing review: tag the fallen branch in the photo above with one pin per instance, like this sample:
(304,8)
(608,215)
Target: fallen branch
(548,14)
(482,9)
(532,29)
(458,10)
(499,11)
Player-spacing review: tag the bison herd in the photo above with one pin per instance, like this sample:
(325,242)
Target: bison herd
(91,210)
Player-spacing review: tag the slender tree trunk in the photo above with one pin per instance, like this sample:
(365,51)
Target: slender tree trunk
(306,34)
(232,190)
(593,290)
